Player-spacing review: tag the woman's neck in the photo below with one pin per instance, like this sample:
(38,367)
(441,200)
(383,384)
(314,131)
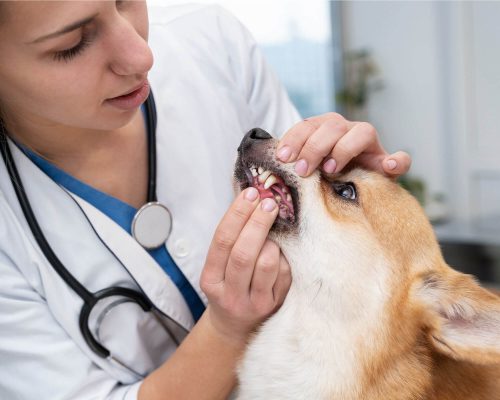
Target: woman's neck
(114,162)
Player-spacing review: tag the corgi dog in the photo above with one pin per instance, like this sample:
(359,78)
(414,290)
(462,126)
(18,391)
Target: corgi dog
(373,312)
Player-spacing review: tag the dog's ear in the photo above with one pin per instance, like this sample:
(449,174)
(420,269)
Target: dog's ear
(462,319)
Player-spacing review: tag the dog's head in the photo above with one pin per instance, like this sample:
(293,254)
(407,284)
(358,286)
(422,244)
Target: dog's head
(365,250)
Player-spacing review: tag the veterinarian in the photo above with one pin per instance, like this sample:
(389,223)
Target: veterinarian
(127,269)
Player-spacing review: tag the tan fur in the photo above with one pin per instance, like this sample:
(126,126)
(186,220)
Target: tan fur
(407,366)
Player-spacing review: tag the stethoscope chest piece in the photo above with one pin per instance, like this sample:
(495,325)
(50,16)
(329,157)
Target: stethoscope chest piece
(152,225)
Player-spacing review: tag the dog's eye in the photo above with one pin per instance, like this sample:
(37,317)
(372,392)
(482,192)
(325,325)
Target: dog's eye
(347,190)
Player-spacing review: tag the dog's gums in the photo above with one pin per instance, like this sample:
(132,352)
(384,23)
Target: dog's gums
(271,185)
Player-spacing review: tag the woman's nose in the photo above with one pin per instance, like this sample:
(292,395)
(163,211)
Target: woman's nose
(131,54)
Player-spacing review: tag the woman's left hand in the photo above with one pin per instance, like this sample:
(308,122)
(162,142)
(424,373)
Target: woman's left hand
(333,141)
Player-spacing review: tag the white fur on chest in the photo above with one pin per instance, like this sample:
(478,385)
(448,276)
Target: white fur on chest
(287,361)
(309,349)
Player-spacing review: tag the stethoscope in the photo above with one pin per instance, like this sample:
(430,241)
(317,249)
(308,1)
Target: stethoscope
(152,223)
(151,227)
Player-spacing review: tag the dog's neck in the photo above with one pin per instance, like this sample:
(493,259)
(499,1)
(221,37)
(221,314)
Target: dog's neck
(338,272)
(335,298)
(345,305)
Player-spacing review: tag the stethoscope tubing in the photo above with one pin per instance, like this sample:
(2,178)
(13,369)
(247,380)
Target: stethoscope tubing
(89,299)
(151,121)
(22,197)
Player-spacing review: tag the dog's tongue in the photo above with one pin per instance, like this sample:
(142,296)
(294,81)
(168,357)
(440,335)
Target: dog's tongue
(272,191)
(285,206)
(265,193)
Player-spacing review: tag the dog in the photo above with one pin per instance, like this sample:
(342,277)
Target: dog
(373,312)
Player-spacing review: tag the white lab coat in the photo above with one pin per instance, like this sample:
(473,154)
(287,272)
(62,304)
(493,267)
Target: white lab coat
(211,86)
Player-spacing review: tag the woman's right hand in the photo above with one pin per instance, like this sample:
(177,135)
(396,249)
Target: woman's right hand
(246,277)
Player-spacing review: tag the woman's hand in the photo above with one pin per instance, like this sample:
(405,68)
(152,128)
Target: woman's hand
(333,141)
(246,277)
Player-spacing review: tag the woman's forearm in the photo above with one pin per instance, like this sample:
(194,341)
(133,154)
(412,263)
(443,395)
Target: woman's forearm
(203,367)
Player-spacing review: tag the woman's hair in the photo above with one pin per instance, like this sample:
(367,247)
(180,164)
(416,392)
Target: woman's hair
(2,16)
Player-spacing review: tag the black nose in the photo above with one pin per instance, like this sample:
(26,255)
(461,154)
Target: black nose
(252,136)
(258,134)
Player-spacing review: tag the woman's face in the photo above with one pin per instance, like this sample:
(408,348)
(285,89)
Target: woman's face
(62,61)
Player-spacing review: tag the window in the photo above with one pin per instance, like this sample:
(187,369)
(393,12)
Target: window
(295,37)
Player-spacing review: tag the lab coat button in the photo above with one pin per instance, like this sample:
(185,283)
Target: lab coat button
(181,248)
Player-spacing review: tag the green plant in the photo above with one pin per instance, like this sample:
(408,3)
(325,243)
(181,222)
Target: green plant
(360,79)
(415,186)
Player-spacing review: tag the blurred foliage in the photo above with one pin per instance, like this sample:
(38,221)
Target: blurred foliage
(415,186)
(361,77)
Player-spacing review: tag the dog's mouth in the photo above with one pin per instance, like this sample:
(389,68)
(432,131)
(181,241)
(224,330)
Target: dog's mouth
(271,184)
(257,166)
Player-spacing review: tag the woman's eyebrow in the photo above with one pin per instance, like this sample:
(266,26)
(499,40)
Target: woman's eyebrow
(66,29)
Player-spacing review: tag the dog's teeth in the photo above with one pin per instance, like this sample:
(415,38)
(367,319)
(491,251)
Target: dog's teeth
(254,172)
(278,198)
(264,175)
(270,181)
(261,170)
(288,197)
(285,189)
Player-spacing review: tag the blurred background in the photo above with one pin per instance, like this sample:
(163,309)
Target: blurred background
(426,74)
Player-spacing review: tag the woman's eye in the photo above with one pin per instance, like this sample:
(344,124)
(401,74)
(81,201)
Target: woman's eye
(68,54)
(347,190)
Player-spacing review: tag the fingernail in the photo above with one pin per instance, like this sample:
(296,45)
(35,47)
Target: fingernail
(391,164)
(284,153)
(251,194)
(329,166)
(268,205)
(301,167)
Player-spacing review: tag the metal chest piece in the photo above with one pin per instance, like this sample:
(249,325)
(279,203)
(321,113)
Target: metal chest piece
(152,225)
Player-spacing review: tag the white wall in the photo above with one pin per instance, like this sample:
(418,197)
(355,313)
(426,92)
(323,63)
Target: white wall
(408,112)
(441,65)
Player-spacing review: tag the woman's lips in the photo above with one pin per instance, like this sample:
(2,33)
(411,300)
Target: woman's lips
(131,100)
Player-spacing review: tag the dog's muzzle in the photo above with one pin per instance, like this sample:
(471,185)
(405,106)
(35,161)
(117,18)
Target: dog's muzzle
(257,166)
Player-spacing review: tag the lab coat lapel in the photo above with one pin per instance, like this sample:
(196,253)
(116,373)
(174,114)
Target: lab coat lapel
(143,268)
(64,218)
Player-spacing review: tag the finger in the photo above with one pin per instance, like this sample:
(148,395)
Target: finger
(283,282)
(361,138)
(265,273)
(241,263)
(397,164)
(227,233)
(319,145)
(294,139)
(289,146)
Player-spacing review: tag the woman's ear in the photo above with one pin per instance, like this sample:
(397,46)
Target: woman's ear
(463,319)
